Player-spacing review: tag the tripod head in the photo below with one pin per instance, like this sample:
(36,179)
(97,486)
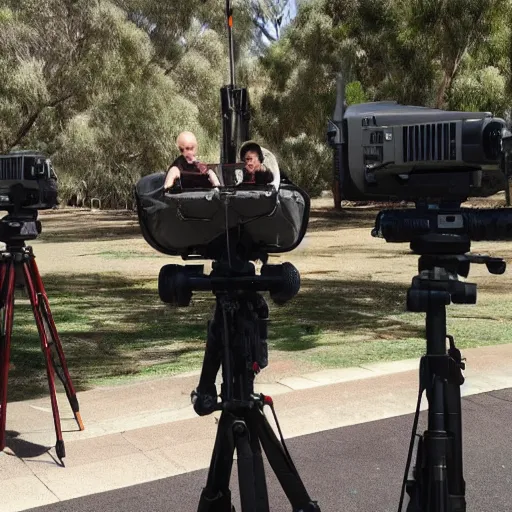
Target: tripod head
(238,329)
(441,234)
(20,224)
(17,228)
(438,276)
(177,282)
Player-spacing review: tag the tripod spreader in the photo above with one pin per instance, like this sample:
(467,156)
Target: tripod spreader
(176,282)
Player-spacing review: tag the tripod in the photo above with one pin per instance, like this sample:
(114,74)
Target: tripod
(237,342)
(17,263)
(438,483)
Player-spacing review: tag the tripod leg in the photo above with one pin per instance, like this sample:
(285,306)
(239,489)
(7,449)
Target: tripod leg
(283,465)
(258,469)
(204,397)
(246,476)
(216,496)
(54,343)
(457,485)
(251,472)
(36,308)
(7,277)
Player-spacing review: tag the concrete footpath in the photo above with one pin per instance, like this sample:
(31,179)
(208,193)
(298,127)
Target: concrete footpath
(146,431)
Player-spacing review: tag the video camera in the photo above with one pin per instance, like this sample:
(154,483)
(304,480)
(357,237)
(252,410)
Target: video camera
(27,182)
(383,151)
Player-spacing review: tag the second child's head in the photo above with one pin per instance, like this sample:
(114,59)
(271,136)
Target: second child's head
(252,156)
(252,161)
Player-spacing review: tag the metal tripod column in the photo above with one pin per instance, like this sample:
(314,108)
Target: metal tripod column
(438,484)
(436,442)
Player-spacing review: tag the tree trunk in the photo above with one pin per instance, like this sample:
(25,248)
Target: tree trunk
(336,194)
(442,90)
(449,73)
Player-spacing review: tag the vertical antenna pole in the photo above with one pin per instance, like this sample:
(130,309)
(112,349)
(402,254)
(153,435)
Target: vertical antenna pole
(229,17)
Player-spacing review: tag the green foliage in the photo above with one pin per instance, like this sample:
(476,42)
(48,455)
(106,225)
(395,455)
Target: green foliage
(354,93)
(453,54)
(306,162)
(104,87)
(484,89)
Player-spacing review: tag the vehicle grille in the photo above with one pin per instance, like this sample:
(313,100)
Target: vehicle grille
(429,142)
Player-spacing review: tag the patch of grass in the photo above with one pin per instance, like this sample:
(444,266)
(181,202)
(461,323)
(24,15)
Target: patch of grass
(114,328)
(338,323)
(70,225)
(110,327)
(125,255)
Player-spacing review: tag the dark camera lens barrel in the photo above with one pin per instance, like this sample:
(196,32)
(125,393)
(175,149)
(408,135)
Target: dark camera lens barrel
(407,225)
(495,224)
(401,225)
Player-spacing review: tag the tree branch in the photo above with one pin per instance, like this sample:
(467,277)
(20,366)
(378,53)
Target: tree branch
(25,128)
(27,125)
(54,103)
(264,30)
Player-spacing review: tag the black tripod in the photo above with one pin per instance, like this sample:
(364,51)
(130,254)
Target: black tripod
(438,483)
(18,265)
(237,343)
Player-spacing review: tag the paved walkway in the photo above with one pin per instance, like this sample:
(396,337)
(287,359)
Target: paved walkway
(147,431)
(358,468)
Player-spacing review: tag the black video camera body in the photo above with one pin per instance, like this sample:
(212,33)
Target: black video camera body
(384,150)
(27,181)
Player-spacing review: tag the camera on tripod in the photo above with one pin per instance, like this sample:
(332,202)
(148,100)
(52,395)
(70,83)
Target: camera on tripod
(384,151)
(234,225)
(28,184)
(27,181)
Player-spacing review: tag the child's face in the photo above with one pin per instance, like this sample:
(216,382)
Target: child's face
(252,162)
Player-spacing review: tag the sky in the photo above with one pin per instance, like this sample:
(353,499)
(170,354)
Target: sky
(292,11)
(289,15)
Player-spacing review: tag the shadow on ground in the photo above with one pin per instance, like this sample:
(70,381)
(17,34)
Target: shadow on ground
(22,448)
(337,311)
(115,327)
(112,326)
(79,226)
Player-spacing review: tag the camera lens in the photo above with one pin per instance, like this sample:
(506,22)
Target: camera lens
(491,140)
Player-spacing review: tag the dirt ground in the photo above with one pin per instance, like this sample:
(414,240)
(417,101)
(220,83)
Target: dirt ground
(338,245)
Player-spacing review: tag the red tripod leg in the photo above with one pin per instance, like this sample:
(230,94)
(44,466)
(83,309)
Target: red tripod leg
(36,309)
(54,343)
(7,281)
